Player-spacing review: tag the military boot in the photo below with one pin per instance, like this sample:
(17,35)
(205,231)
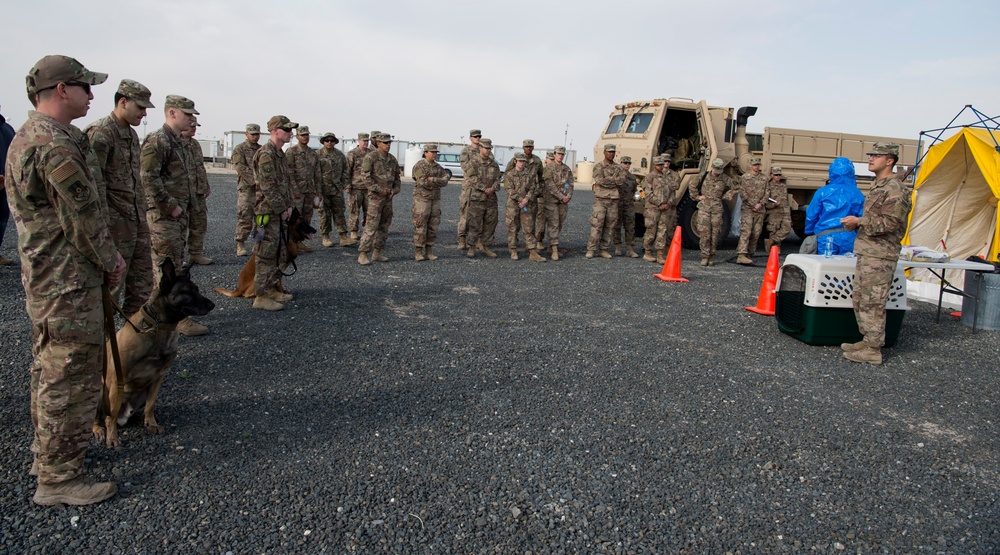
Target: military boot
(326,240)
(513,254)
(461,243)
(263,302)
(868,355)
(189,328)
(605,254)
(711,260)
(354,235)
(33,471)
(618,249)
(767,245)
(590,254)
(304,247)
(534,256)
(279,296)
(346,240)
(429,250)
(648,256)
(744,260)
(854,346)
(377,255)
(241,249)
(630,252)
(555,252)
(661,256)
(486,250)
(363,259)
(77,491)
(200,259)
(419,255)
(704,261)
(471,253)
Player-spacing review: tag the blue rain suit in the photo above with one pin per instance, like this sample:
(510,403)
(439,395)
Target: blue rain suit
(832,202)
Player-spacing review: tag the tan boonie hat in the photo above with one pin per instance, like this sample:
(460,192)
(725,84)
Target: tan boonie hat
(528,142)
(657,160)
(302,130)
(363,136)
(626,159)
(754,161)
(329,136)
(52,70)
(384,138)
(559,150)
(475,133)
(253,128)
(891,149)
(718,164)
(280,121)
(185,105)
(431,147)
(521,156)
(136,92)
(610,147)
(486,143)
(775,170)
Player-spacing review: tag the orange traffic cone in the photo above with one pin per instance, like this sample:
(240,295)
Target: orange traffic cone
(672,269)
(765,300)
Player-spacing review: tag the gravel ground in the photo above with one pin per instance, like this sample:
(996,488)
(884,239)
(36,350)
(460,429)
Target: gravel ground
(493,406)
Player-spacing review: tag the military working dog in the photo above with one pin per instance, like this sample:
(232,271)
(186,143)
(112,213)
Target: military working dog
(298,230)
(148,346)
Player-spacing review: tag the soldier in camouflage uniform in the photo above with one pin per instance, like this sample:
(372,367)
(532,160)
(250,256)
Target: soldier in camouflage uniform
(335,176)
(608,179)
(116,146)
(557,187)
(371,144)
(380,171)
(198,226)
(482,213)
(779,218)
(303,163)
(626,211)
(169,180)
(273,207)
(467,155)
(429,178)
(540,202)
(880,234)
(660,214)
(66,254)
(357,194)
(753,192)
(714,188)
(533,164)
(521,184)
(245,186)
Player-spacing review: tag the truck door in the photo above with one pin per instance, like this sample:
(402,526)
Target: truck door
(705,126)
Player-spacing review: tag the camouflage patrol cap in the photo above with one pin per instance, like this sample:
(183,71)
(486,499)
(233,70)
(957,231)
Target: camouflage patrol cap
(374,135)
(528,142)
(363,136)
(892,149)
(521,156)
(775,170)
(431,147)
(659,160)
(718,164)
(626,159)
(280,121)
(185,105)
(610,147)
(550,155)
(52,70)
(754,161)
(475,133)
(302,130)
(136,92)
(486,143)
(383,138)
(559,150)
(329,135)
(253,129)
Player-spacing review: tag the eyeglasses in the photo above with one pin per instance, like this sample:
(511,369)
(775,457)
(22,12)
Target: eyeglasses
(86,86)
(870,156)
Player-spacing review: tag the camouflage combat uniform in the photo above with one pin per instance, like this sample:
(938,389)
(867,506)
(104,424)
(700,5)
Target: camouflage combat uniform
(358,195)
(557,183)
(381,176)
(779,218)
(116,147)
(430,177)
(335,177)
(521,184)
(753,189)
(303,165)
(168,180)
(661,188)
(626,211)
(482,212)
(273,196)
(715,188)
(246,186)
(533,166)
(65,249)
(198,226)
(608,179)
(465,158)
(880,233)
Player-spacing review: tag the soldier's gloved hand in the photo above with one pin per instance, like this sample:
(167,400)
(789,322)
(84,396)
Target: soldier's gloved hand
(114,277)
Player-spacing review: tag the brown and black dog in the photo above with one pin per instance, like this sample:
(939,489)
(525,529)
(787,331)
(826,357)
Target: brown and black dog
(298,230)
(148,346)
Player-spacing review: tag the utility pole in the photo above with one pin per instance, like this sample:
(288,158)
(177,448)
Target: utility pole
(566,135)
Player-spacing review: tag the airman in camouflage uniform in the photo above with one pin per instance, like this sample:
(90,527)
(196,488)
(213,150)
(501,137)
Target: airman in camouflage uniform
(779,218)
(715,188)
(660,214)
(357,193)
(753,192)
(371,144)
(466,157)
(335,176)
(483,179)
(245,186)
(880,234)
(533,164)
(273,207)
(303,163)
(540,202)
(608,179)
(626,211)
(116,146)
(66,254)
(430,177)
(199,213)
(169,180)
(380,171)
(521,184)
(557,187)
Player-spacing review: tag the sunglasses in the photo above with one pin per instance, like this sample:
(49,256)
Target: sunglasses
(86,86)
(627,163)
(328,140)
(286,129)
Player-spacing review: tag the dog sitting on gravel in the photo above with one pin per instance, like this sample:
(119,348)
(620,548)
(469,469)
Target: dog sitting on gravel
(148,346)
(298,230)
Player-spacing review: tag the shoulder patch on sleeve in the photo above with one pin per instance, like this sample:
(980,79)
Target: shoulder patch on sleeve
(64,171)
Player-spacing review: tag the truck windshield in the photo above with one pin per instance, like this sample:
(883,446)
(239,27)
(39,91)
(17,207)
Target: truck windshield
(616,124)
(640,123)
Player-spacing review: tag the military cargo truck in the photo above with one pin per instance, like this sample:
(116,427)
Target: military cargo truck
(693,133)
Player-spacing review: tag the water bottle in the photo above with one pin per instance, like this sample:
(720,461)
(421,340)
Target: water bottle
(829,246)
(524,208)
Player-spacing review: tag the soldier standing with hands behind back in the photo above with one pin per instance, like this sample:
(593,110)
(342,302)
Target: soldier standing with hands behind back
(199,213)
(66,254)
(245,186)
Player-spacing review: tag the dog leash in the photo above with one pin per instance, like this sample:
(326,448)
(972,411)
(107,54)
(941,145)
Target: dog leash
(283,237)
(154,324)
(109,327)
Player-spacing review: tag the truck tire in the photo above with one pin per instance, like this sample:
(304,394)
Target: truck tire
(686,212)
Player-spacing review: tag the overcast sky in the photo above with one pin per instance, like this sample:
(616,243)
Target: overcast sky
(431,69)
